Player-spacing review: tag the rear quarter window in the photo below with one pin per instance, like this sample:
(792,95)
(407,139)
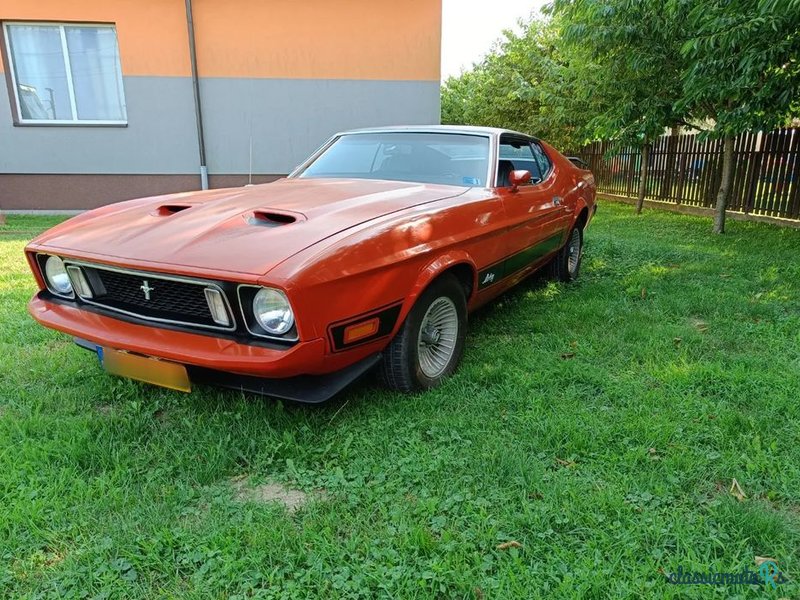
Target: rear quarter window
(521,156)
(545,165)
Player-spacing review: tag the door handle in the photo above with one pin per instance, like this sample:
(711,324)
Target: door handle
(556,200)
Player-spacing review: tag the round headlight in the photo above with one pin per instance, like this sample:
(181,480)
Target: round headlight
(272,311)
(57,276)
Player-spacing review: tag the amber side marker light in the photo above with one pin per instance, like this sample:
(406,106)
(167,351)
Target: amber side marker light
(359,331)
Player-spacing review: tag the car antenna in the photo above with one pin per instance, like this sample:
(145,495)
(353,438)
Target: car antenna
(250,167)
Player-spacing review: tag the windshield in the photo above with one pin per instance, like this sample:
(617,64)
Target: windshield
(445,158)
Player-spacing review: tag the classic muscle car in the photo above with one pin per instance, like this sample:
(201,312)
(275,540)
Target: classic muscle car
(370,254)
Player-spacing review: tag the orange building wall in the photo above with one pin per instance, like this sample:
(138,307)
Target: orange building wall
(152,33)
(312,39)
(319,39)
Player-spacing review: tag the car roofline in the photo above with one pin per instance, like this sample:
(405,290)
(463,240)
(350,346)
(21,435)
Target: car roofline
(458,129)
(493,133)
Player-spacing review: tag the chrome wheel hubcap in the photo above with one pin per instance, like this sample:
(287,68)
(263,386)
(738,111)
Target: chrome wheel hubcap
(574,250)
(437,337)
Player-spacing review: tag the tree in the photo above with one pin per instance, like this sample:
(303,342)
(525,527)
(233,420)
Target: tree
(631,52)
(520,85)
(457,99)
(625,70)
(743,71)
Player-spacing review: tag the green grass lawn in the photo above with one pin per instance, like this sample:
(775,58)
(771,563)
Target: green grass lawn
(598,424)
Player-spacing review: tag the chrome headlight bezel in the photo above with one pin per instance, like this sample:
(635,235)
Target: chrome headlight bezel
(256,325)
(273,312)
(52,267)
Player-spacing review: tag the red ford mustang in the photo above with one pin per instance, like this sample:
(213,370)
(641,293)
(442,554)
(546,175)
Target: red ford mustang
(370,253)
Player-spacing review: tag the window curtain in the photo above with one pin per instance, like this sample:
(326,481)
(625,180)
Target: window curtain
(94,62)
(39,71)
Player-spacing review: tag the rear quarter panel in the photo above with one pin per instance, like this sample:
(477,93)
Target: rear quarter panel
(578,185)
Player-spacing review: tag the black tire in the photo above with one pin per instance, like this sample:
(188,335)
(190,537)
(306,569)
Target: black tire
(405,362)
(566,264)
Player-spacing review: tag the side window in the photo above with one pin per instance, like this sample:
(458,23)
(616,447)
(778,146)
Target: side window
(517,155)
(541,158)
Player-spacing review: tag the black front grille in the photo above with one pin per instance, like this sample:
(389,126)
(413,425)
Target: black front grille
(148,296)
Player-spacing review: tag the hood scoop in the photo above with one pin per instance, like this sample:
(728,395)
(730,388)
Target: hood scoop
(167,210)
(274,218)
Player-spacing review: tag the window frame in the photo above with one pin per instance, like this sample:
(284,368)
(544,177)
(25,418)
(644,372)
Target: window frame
(512,138)
(550,165)
(75,121)
(511,141)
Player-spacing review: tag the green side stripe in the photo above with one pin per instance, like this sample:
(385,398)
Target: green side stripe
(516,262)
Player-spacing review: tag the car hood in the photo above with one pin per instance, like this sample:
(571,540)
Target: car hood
(243,230)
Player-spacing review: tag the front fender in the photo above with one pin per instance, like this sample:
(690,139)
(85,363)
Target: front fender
(433,270)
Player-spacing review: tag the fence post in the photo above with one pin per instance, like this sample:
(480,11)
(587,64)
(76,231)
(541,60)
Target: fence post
(793,200)
(631,164)
(669,165)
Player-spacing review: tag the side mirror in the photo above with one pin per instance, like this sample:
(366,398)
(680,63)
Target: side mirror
(518,178)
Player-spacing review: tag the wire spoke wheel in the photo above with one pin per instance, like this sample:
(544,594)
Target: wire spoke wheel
(574,252)
(437,337)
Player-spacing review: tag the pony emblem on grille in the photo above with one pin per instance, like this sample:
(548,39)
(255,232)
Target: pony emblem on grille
(145,287)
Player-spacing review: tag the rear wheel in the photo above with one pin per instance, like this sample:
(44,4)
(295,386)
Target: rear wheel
(567,262)
(429,345)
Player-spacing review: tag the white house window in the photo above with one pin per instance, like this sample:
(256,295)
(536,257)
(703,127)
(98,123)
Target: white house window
(66,74)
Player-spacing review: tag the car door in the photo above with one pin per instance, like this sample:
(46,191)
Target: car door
(533,212)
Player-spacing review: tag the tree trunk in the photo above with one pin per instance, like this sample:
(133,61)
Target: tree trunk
(643,178)
(725,184)
(2,217)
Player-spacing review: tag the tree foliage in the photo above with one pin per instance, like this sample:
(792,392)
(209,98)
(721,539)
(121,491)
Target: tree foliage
(742,72)
(518,85)
(625,70)
(743,62)
(633,49)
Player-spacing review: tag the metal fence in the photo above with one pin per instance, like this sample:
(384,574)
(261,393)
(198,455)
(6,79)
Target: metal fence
(685,170)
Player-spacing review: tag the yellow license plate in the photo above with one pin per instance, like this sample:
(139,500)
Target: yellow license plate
(142,368)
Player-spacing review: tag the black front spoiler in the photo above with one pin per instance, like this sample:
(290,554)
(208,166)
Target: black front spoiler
(309,389)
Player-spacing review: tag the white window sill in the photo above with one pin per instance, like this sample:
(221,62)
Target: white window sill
(54,123)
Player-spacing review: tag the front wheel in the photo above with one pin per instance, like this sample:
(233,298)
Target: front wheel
(567,262)
(429,345)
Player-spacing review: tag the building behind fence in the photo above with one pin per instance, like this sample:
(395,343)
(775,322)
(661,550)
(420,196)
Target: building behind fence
(685,170)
